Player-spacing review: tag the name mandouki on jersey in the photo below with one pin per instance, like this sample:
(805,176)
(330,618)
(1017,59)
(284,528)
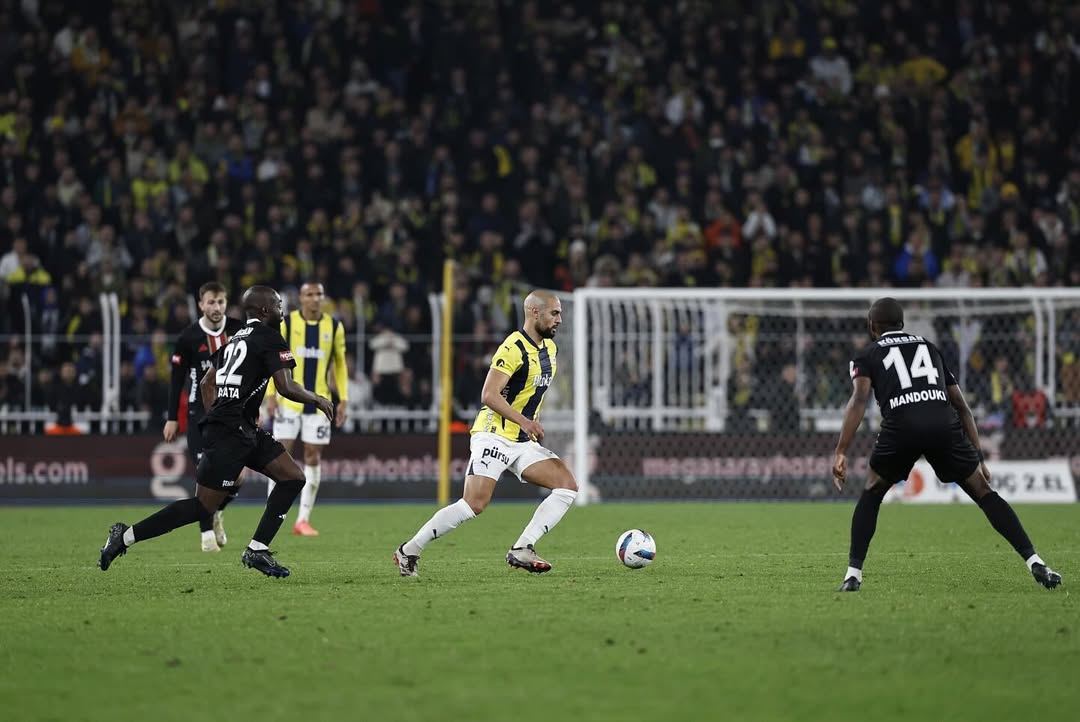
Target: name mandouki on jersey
(531,368)
(909,376)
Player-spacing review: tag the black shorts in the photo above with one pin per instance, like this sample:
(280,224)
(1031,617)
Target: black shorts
(228,449)
(946,449)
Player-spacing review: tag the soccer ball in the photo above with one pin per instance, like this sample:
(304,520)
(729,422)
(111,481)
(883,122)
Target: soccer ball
(635,549)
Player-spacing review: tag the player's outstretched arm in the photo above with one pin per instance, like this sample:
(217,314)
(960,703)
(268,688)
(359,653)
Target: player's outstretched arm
(177,378)
(283,382)
(853,416)
(492,397)
(967,420)
(341,374)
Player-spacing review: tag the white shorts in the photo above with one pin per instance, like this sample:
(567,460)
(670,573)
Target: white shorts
(490,455)
(311,428)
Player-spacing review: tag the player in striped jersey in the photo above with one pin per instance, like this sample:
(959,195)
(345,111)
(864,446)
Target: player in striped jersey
(191,357)
(507,436)
(317,341)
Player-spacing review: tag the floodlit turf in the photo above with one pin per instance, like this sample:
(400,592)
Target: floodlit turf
(736,620)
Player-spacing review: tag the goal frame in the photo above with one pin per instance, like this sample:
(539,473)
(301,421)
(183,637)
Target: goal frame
(1038,297)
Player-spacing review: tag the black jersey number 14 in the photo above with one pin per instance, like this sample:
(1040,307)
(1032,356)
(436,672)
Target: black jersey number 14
(234,355)
(921,366)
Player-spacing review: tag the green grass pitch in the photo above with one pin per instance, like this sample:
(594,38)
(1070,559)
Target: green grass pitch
(736,620)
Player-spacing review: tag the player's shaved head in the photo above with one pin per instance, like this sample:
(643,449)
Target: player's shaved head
(539,300)
(543,313)
(887,314)
(257,300)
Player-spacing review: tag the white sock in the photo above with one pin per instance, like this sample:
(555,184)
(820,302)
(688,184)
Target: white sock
(257,546)
(309,492)
(445,519)
(1031,561)
(270,487)
(129,536)
(853,572)
(209,535)
(547,515)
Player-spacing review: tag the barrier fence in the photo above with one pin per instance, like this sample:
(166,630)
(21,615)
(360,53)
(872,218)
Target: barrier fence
(704,394)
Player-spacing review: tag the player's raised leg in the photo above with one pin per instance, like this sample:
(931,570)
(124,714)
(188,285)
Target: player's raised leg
(863,525)
(180,513)
(1003,518)
(286,429)
(289,480)
(313,475)
(219,516)
(476,497)
(208,539)
(551,474)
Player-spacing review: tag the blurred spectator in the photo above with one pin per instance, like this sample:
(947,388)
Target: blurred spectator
(359,388)
(68,394)
(42,388)
(404,393)
(11,391)
(1070,378)
(916,262)
(832,70)
(1024,263)
(783,401)
(152,395)
(129,385)
(740,399)
(388,363)
(996,393)
(11,261)
(90,361)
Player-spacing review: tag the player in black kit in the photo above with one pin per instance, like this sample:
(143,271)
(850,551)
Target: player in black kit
(190,358)
(233,389)
(923,413)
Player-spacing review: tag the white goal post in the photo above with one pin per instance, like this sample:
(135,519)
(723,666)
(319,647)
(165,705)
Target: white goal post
(738,393)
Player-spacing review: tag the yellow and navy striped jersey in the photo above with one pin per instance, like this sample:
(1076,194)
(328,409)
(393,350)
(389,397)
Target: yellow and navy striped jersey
(531,368)
(316,345)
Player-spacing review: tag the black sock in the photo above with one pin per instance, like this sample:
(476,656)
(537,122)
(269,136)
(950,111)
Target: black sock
(277,506)
(228,500)
(863,526)
(175,515)
(1007,524)
(206,523)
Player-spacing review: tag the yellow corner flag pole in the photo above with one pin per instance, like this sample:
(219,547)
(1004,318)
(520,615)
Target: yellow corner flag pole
(446,363)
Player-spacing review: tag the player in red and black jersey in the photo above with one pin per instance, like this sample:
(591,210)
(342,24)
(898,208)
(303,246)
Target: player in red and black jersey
(190,358)
(233,388)
(923,413)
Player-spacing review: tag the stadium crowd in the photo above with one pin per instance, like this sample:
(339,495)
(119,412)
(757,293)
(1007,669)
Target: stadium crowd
(148,146)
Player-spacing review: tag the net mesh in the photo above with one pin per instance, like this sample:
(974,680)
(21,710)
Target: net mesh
(714,396)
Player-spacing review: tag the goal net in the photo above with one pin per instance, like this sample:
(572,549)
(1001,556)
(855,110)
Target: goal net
(739,394)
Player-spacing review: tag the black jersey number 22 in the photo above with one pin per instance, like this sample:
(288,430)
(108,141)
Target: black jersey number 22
(921,366)
(234,354)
